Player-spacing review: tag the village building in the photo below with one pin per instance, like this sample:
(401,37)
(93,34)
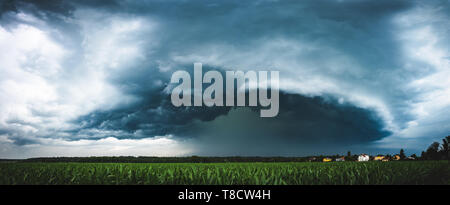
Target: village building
(326,159)
(312,159)
(379,158)
(396,157)
(340,159)
(363,158)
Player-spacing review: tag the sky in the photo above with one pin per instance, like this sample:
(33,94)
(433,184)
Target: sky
(92,78)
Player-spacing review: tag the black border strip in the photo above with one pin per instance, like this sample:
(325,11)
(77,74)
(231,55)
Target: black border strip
(170,193)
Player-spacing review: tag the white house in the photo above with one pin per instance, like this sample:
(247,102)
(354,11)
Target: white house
(363,158)
(340,159)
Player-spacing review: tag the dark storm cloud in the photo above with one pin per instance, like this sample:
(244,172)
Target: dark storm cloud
(49,10)
(234,33)
(153,116)
(18,137)
(302,122)
(186,25)
(361,29)
(304,125)
(246,24)
(62,7)
(357,27)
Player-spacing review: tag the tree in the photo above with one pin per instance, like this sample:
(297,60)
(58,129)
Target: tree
(433,151)
(445,147)
(402,154)
(349,156)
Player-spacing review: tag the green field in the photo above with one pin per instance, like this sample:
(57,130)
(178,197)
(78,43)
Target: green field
(279,173)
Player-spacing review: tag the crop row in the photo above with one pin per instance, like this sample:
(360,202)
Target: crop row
(295,173)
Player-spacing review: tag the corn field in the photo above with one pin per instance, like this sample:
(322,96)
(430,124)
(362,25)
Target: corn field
(285,173)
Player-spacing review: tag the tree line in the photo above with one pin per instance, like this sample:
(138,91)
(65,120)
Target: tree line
(437,151)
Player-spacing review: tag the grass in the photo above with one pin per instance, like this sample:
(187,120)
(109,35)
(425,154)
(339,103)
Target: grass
(280,173)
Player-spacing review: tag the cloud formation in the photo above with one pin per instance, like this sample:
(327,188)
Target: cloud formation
(354,74)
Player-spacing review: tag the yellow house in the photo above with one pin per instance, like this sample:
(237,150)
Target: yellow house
(326,159)
(396,157)
(378,158)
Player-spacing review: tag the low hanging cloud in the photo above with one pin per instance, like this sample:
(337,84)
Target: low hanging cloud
(353,75)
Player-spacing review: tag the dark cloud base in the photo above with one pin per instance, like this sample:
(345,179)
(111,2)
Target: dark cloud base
(301,123)
(304,125)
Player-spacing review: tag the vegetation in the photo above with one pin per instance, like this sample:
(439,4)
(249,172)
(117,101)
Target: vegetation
(431,167)
(402,154)
(436,151)
(289,173)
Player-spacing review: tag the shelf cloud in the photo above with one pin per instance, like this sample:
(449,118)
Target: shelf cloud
(93,77)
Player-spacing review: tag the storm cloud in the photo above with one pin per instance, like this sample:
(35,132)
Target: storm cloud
(370,76)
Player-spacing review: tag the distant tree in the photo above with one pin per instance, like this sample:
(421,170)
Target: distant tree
(388,156)
(349,154)
(433,151)
(402,154)
(445,147)
(423,155)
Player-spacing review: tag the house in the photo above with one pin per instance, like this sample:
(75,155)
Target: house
(340,159)
(326,159)
(363,158)
(379,158)
(396,157)
(410,158)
